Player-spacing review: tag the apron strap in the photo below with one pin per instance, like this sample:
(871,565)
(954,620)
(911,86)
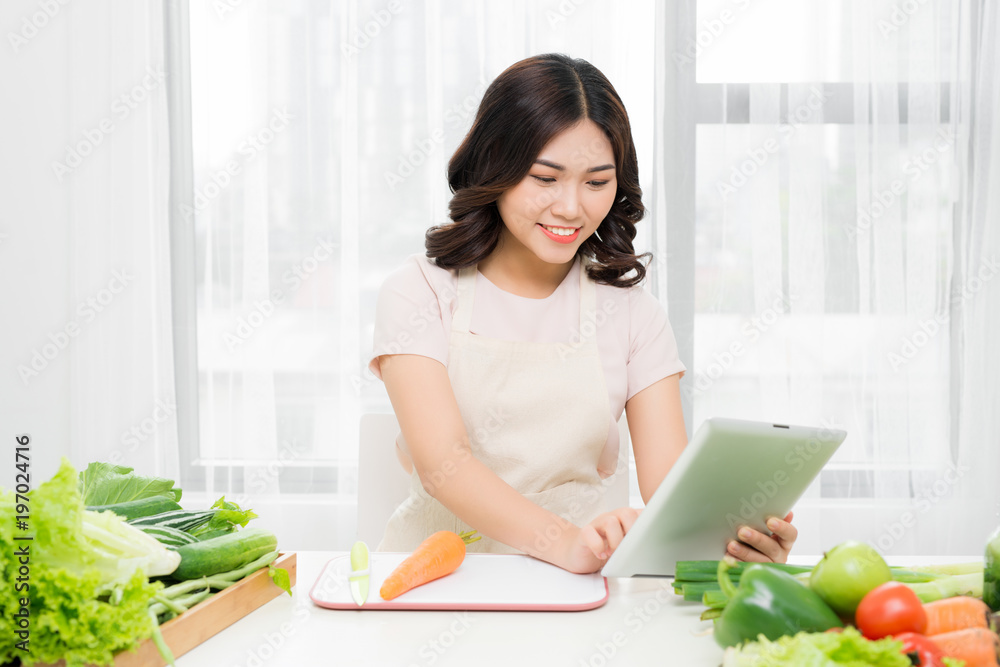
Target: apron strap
(588,305)
(461,321)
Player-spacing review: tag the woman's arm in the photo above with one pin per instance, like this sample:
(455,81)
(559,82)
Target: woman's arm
(656,428)
(425,406)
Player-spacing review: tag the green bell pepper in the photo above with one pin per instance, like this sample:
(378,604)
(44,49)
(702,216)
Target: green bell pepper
(768,602)
(991,573)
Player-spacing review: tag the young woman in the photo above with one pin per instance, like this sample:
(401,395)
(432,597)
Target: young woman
(511,349)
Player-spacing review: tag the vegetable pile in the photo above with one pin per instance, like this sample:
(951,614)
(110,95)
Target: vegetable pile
(112,556)
(850,609)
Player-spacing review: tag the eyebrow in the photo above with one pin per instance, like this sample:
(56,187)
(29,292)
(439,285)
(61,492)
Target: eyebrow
(562,168)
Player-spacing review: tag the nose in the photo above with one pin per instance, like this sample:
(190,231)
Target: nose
(566,203)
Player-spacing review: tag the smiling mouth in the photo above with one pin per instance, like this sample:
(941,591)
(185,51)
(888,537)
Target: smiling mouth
(561,231)
(560,234)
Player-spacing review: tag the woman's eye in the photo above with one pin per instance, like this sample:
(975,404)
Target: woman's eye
(598,184)
(544,179)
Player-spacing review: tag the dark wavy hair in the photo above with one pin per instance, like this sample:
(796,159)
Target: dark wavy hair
(526,106)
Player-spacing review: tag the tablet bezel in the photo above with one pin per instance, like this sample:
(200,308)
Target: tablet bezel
(699,506)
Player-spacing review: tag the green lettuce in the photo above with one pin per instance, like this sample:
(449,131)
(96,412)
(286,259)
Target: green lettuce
(228,517)
(819,649)
(107,484)
(84,605)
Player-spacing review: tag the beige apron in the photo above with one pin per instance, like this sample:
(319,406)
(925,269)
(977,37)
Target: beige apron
(537,414)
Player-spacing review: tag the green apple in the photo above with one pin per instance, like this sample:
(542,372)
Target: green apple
(845,575)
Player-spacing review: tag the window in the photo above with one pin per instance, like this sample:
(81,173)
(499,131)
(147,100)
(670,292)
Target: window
(824,191)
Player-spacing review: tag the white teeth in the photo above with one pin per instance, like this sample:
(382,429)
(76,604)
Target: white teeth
(560,231)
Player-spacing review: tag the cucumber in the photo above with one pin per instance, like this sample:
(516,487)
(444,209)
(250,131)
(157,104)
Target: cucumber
(170,537)
(224,553)
(135,509)
(179,519)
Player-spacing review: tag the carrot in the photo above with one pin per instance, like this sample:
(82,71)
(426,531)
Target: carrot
(957,613)
(438,555)
(978,647)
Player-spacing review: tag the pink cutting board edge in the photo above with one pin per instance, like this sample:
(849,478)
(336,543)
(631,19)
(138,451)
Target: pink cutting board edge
(390,605)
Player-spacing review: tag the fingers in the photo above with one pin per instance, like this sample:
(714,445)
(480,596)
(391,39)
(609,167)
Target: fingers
(742,552)
(757,547)
(593,540)
(628,516)
(783,531)
(605,533)
(754,546)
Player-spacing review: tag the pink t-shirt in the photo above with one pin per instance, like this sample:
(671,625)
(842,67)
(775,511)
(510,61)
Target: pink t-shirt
(634,338)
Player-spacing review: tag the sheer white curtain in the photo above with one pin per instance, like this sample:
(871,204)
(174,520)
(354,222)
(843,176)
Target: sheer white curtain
(321,134)
(84,197)
(977,420)
(842,233)
(122,373)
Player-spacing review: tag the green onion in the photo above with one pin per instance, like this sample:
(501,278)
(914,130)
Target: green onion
(714,599)
(710,614)
(948,570)
(949,587)
(687,570)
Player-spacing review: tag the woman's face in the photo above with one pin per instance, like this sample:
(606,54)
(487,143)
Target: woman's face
(567,193)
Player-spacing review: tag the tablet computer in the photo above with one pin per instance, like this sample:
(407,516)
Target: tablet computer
(733,473)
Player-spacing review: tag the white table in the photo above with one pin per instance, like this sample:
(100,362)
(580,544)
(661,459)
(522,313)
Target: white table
(642,623)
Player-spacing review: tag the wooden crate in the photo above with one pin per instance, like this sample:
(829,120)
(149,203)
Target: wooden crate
(209,617)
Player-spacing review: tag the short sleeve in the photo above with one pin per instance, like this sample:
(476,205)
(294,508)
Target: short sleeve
(412,314)
(652,353)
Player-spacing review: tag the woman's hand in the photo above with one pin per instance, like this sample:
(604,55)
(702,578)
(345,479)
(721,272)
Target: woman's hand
(755,547)
(590,546)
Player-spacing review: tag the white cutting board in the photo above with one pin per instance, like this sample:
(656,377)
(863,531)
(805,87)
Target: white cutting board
(481,582)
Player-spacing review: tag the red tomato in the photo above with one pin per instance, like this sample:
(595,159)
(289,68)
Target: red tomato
(930,653)
(890,609)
